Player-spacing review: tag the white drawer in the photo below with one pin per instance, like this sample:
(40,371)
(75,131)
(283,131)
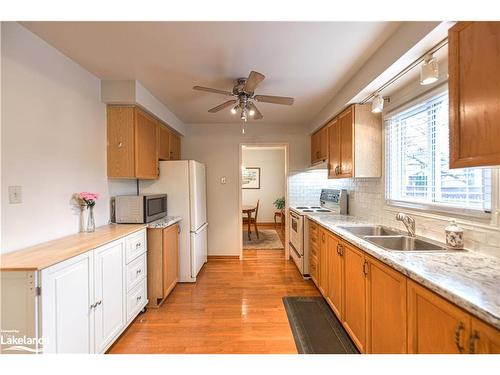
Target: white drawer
(135,245)
(136,271)
(136,300)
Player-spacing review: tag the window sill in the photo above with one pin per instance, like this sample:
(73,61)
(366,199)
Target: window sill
(468,218)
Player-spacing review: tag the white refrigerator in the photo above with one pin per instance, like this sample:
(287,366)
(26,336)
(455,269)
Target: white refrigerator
(184,183)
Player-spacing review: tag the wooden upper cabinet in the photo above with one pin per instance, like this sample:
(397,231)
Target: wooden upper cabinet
(355,295)
(319,146)
(175,147)
(146,142)
(164,144)
(474,94)
(132,143)
(386,309)
(435,326)
(484,339)
(355,143)
(120,142)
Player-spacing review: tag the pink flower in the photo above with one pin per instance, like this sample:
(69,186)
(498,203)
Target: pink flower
(88,198)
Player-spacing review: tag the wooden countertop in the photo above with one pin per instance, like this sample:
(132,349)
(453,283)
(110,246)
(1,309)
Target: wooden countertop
(49,253)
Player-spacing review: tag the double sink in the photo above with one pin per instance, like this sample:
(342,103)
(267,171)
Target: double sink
(391,239)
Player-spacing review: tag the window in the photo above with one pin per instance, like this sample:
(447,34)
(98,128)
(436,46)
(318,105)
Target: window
(417,161)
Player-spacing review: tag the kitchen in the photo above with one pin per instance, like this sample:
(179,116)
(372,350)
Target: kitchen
(391,238)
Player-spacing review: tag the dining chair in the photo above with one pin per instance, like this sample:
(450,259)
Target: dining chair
(253,219)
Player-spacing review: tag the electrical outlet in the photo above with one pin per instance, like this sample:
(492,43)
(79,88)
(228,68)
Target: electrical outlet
(15,194)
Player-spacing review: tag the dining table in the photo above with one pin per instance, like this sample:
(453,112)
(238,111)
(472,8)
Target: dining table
(248,209)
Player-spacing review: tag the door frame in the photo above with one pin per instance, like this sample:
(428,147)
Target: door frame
(283,145)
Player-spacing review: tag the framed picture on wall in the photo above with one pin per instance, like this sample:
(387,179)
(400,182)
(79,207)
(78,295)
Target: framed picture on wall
(250,178)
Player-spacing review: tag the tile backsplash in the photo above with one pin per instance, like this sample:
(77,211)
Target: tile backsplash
(367,201)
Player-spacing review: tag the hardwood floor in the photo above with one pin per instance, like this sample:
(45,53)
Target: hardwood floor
(235,307)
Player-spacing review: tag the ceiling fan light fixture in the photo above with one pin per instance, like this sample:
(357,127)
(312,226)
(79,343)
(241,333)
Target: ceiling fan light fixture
(429,70)
(377,104)
(251,112)
(234,109)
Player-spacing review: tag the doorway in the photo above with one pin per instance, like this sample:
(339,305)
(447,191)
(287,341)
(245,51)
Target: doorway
(263,198)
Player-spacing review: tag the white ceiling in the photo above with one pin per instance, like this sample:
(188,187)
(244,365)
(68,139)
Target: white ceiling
(309,61)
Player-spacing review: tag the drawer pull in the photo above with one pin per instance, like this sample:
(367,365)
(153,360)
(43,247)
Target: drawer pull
(137,245)
(458,331)
(139,298)
(472,342)
(138,271)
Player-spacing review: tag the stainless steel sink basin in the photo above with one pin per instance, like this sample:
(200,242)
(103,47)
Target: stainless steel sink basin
(404,243)
(369,230)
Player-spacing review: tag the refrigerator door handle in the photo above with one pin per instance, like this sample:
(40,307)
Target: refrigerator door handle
(200,229)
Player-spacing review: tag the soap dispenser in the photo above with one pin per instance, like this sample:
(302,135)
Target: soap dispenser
(454,236)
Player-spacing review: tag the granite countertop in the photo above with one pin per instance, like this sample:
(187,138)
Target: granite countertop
(469,279)
(164,222)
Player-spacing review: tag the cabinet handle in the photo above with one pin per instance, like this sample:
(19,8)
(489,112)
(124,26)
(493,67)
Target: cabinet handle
(98,303)
(458,331)
(365,268)
(138,271)
(322,237)
(137,245)
(139,298)
(120,144)
(472,342)
(340,249)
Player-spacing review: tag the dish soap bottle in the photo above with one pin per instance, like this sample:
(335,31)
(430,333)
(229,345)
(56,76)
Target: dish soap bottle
(454,236)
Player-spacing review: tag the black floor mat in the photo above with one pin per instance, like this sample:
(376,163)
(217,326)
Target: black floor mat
(315,327)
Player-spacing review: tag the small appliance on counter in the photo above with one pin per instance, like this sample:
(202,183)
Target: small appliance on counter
(332,202)
(140,209)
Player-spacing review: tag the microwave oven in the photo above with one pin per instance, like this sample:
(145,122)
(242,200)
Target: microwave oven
(132,209)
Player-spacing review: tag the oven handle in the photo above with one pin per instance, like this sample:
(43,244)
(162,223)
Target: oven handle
(295,250)
(295,216)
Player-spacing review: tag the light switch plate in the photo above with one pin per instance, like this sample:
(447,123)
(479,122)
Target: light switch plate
(15,194)
(223,180)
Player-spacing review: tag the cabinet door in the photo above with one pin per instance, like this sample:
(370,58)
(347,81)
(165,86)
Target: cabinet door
(146,146)
(474,90)
(120,142)
(67,315)
(386,309)
(323,263)
(175,147)
(484,339)
(170,258)
(435,326)
(164,144)
(323,143)
(109,289)
(336,275)
(314,148)
(346,149)
(355,295)
(334,149)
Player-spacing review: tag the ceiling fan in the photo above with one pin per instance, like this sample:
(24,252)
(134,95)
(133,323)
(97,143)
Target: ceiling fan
(243,90)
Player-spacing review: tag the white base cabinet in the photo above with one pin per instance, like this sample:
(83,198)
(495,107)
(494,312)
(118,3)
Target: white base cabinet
(84,303)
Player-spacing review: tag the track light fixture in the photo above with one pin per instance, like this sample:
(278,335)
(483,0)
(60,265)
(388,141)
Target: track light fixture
(377,104)
(429,70)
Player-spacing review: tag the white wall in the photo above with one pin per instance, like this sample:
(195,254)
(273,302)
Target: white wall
(217,145)
(272,180)
(53,140)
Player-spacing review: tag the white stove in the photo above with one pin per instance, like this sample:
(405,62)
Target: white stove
(332,202)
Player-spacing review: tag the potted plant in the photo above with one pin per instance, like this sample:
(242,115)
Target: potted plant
(280,203)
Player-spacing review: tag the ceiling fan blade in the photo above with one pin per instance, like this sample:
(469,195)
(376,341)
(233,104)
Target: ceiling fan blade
(274,99)
(215,91)
(222,106)
(253,80)
(257,115)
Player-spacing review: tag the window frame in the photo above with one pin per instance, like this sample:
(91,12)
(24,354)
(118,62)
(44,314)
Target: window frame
(435,207)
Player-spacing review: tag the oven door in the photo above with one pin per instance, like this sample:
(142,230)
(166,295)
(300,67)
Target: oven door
(297,258)
(296,232)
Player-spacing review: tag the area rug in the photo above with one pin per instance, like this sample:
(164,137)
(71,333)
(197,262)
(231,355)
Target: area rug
(268,239)
(315,328)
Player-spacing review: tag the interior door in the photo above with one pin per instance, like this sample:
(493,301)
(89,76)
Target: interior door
(67,316)
(198,195)
(109,286)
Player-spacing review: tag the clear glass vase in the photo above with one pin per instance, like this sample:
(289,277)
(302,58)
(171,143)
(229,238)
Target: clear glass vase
(90,220)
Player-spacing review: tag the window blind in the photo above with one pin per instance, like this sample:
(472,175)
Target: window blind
(417,160)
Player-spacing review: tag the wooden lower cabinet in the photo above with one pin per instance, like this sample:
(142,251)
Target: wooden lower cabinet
(384,312)
(314,238)
(434,324)
(163,263)
(385,309)
(484,338)
(323,262)
(354,318)
(335,296)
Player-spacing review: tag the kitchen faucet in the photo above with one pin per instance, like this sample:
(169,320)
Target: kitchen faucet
(408,221)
